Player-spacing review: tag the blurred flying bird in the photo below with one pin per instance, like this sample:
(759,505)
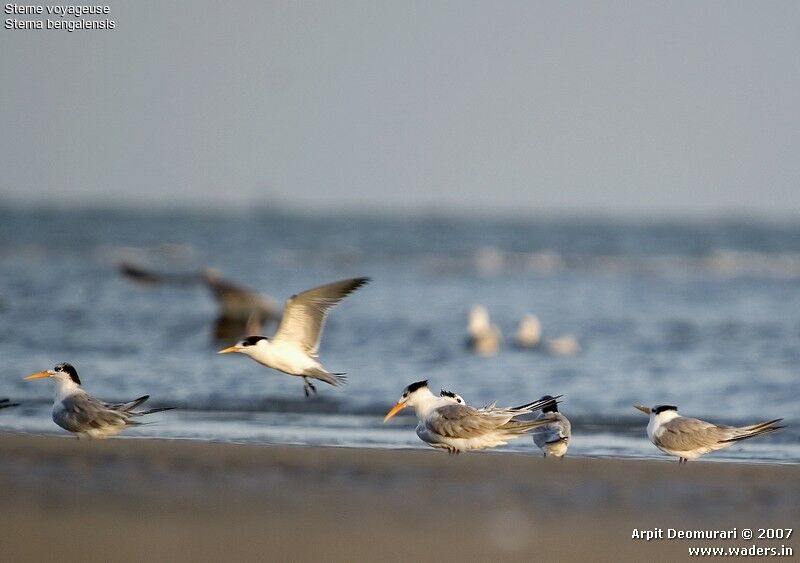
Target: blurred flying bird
(293,348)
(689,438)
(83,415)
(241,311)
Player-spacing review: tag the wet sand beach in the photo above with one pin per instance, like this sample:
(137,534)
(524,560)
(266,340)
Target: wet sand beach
(135,499)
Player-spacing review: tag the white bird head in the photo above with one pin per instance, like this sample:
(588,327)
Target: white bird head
(413,396)
(62,373)
(659,411)
(247,346)
(451,396)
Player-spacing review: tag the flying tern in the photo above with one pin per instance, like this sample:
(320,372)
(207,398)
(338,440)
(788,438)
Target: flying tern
(552,438)
(690,438)
(293,348)
(83,415)
(445,423)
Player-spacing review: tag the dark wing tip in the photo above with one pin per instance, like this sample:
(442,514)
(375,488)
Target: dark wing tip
(356,283)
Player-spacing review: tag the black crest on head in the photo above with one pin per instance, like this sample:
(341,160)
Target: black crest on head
(658,409)
(444,393)
(253,340)
(417,385)
(551,405)
(69,370)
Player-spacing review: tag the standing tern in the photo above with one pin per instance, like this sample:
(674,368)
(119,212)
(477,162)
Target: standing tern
(293,348)
(690,438)
(446,424)
(5,403)
(83,415)
(552,438)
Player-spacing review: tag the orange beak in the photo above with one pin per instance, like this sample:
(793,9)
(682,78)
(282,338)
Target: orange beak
(644,409)
(229,350)
(395,409)
(38,375)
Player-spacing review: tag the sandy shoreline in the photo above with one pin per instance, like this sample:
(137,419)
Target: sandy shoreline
(125,500)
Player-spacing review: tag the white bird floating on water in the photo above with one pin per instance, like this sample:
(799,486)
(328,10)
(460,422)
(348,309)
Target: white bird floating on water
(293,348)
(566,345)
(529,333)
(483,337)
(689,438)
(83,415)
(446,423)
(529,336)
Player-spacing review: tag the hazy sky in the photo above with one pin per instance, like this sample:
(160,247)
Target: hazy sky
(579,107)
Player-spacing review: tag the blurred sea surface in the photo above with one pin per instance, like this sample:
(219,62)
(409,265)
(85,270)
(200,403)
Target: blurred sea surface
(701,314)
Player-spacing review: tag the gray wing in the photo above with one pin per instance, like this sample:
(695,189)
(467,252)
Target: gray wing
(685,434)
(305,313)
(553,432)
(461,421)
(83,412)
(127,406)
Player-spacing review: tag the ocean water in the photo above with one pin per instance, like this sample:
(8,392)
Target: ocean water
(701,314)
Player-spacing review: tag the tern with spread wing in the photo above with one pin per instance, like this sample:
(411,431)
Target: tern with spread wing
(293,349)
(83,415)
(445,423)
(552,438)
(689,438)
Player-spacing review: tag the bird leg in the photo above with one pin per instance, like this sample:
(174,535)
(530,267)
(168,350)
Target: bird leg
(308,387)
